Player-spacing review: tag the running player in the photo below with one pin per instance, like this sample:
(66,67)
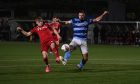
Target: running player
(55,27)
(46,40)
(80,29)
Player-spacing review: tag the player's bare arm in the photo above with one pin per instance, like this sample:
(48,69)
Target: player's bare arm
(100,17)
(57,34)
(65,22)
(24,32)
(59,30)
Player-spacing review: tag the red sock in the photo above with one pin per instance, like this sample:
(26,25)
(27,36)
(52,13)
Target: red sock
(55,51)
(46,60)
(51,50)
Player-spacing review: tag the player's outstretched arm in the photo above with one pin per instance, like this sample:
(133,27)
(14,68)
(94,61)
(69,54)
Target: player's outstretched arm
(65,22)
(100,17)
(24,32)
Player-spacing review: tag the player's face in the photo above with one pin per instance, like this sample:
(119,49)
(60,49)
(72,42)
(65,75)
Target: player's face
(39,23)
(55,19)
(81,16)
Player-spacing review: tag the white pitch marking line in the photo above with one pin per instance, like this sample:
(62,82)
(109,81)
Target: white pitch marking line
(72,59)
(56,65)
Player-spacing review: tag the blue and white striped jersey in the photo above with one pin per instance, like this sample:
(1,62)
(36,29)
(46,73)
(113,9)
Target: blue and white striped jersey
(80,27)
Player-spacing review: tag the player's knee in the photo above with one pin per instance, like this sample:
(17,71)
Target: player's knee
(85,57)
(52,45)
(44,54)
(57,43)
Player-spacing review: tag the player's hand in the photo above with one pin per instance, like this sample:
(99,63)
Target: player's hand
(59,20)
(105,12)
(19,29)
(59,38)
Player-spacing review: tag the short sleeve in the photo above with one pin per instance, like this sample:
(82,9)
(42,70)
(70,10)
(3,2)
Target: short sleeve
(33,30)
(59,25)
(46,24)
(90,21)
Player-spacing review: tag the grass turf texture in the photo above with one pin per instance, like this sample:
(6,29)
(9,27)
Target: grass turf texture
(21,63)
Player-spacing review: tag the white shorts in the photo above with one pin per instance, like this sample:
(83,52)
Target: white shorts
(80,42)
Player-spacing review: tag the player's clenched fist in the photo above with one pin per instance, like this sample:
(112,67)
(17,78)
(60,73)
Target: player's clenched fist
(19,29)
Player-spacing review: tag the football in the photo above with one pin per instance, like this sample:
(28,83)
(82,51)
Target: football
(64,47)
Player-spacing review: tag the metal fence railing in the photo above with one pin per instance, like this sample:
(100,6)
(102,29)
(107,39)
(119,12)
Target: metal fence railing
(115,32)
(104,32)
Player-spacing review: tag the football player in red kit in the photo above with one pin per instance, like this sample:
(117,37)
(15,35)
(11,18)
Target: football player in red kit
(55,27)
(46,40)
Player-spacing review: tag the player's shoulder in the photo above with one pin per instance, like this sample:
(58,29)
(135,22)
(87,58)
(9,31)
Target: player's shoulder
(46,24)
(34,28)
(75,19)
(54,24)
(57,23)
(50,25)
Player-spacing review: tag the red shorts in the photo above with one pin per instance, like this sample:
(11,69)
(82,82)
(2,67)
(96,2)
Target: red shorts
(46,45)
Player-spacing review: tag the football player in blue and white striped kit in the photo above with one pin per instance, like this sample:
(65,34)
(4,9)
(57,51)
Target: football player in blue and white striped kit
(80,29)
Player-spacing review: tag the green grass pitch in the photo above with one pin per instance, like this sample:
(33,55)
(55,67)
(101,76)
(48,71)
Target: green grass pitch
(21,63)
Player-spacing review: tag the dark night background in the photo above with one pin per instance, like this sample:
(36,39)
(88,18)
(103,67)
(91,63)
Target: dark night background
(23,9)
(119,10)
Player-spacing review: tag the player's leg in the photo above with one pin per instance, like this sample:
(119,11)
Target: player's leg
(56,45)
(45,58)
(44,53)
(72,46)
(84,51)
(67,54)
(55,51)
(83,61)
(51,53)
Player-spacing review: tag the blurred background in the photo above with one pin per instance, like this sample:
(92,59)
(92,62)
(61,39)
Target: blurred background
(121,26)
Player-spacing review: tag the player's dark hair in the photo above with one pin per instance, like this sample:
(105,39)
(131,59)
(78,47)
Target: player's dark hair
(54,17)
(81,11)
(39,19)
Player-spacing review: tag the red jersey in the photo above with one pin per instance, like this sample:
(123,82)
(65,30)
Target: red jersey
(43,32)
(55,25)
